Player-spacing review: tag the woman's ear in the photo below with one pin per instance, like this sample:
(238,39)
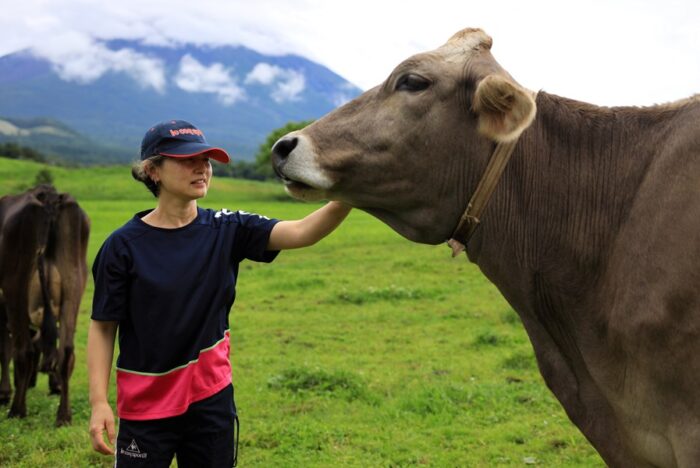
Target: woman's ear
(505,109)
(152,171)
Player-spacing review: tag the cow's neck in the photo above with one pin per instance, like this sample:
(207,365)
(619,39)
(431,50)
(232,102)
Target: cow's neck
(562,200)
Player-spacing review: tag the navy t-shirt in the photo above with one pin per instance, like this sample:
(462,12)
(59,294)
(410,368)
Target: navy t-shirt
(171,291)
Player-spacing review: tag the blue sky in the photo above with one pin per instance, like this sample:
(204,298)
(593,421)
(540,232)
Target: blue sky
(616,52)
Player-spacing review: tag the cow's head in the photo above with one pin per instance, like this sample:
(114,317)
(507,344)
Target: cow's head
(411,150)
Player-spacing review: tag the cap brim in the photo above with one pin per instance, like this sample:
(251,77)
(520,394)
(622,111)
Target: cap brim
(191,149)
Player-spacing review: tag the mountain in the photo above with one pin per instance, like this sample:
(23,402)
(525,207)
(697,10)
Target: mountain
(58,141)
(101,103)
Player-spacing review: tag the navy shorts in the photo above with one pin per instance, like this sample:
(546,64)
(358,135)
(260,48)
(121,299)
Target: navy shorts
(205,436)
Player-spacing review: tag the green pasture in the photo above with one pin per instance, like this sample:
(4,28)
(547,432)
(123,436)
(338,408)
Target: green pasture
(365,350)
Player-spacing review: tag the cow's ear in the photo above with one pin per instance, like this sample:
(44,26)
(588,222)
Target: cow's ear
(505,109)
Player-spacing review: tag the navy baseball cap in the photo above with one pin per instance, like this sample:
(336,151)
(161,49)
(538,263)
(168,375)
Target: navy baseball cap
(178,139)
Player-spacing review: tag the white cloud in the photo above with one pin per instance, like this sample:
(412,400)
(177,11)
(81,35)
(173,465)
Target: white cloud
(76,57)
(287,84)
(263,73)
(197,78)
(290,88)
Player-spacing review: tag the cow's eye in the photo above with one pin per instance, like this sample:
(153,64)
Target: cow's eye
(412,82)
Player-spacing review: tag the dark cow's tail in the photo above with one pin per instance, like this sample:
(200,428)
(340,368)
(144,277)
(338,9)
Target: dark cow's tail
(49,328)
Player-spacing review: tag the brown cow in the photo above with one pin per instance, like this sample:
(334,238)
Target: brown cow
(592,233)
(43,270)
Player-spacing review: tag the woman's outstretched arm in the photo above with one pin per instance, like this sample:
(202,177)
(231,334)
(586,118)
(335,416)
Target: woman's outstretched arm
(308,230)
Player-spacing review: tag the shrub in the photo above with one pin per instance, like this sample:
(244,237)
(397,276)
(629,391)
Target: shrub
(43,177)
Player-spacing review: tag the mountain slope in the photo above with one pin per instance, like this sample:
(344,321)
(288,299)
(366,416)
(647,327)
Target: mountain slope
(234,94)
(56,140)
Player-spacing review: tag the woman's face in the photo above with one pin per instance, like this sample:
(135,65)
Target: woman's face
(186,178)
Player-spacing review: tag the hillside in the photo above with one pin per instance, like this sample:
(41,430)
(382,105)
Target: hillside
(236,95)
(60,142)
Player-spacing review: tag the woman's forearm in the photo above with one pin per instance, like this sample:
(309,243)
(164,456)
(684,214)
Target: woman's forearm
(100,352)
(310,229)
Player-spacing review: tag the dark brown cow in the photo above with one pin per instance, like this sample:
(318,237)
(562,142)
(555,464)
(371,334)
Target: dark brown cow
(592,233)
(43,270)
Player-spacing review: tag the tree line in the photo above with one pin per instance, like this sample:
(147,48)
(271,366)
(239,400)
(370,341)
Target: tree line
(258,169)
(12,150)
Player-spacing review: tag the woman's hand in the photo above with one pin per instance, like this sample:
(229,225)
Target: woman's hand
(101,420)
(100,351)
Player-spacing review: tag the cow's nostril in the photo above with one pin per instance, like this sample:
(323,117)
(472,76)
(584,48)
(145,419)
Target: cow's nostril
(284,146)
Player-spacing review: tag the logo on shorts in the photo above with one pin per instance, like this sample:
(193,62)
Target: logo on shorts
(133,451)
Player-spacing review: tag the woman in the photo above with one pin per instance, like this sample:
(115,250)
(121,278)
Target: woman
(166,280)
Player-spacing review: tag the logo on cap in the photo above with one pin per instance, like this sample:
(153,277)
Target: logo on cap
(186,131)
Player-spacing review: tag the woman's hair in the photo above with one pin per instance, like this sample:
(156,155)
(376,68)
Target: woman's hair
(139,172)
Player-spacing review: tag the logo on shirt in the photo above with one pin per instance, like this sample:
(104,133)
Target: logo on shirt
(133,451)
(221,212)
(226,212)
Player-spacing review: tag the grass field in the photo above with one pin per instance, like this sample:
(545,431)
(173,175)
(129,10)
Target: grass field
(365,350)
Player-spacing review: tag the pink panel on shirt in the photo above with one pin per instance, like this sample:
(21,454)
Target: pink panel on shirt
(142,397)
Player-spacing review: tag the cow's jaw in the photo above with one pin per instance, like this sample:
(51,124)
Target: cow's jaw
(302,176)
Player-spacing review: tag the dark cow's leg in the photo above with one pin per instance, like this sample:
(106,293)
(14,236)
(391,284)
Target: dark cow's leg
(23,354)
(22,372)
(66,356)
(34,364)
(49,333)
(5,355)
(54,382)
(68,316)
(66,362)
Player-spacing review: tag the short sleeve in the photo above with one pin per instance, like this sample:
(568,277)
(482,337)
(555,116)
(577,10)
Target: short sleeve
(110,273)
(252,237)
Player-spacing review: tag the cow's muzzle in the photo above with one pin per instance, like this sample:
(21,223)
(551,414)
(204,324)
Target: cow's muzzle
(294,160)
(280,153)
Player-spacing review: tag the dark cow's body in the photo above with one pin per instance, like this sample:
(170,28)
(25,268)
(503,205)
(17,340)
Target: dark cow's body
(592,235)
(43,270)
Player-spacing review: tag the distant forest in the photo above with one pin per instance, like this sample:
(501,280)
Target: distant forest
(15,151)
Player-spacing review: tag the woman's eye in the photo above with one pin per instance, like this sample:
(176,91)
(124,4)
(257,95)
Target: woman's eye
(193,161)
(412,82)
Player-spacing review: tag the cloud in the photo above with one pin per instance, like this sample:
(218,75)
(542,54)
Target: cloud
(263,73)
(287,84)
(197,78)
(76,57)
(290,88)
